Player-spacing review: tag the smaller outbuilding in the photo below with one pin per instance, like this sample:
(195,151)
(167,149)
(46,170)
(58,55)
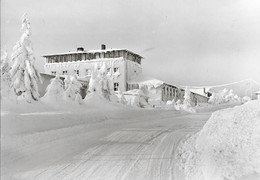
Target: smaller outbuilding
(258,95)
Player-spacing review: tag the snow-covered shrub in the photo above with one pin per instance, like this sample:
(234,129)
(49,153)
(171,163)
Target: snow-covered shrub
(72,88)
(54,91)
(170,104)
(24,75)
(223,96)
(121,97)
(178,105)
(227,147)
(245,99)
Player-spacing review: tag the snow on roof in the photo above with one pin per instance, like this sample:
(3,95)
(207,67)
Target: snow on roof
(93,51)
(134,92)
(200,91)
(146,80)
(258,92)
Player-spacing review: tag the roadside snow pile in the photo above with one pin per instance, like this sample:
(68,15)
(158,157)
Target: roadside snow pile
(227,148)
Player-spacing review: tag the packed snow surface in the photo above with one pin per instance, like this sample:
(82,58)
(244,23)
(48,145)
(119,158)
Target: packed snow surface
(227,148)
(95,140)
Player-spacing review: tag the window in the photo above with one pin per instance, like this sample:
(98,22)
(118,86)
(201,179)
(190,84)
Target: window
(108,70)
(116,69)
(116,86)
(76,72)
(88,72)
(65,72)
(53,73)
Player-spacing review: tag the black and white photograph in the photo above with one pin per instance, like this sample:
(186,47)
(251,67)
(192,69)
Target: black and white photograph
(130,90)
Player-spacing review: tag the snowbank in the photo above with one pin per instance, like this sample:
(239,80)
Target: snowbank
(228,146)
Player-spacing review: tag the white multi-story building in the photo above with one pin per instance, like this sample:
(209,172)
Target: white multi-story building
(121,64)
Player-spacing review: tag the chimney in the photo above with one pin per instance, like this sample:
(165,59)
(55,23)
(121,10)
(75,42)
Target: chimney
(80,49)
(103,47)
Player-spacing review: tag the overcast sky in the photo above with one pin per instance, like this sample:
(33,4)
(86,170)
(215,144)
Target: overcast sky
(187,42)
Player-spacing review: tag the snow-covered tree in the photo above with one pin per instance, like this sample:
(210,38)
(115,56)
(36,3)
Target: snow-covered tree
(121,98)
(187,100)
(94,85)
(104,81)
(24,75)
(102,84)
(5,67)
(72,88)
(5,75)
(54,90)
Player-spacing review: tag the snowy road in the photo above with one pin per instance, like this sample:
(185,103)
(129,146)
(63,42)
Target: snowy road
(130,144)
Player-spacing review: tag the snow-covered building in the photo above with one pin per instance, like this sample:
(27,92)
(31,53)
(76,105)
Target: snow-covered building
(258,95)
(124,68)
(122,64)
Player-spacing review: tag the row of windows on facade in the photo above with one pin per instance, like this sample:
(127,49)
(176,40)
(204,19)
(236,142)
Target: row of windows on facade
(87,71)
(170,91)
(89,56)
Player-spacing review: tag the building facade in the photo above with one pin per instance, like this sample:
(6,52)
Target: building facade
(121,64)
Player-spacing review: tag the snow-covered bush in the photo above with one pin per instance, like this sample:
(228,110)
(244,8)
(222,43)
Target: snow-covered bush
(54,91)
(245,99)
(178,105)
(227,147)
(24,75)
(223,96)
(121,97)
(72,88)
(170,104)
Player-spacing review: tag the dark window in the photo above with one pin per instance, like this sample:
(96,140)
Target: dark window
(116,86)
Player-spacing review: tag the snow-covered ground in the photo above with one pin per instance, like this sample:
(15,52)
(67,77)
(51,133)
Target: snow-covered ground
(74,141)
(98,140)
(228,146)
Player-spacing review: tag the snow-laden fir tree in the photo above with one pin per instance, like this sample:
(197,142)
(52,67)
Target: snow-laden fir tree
(104,82)
(100,83)
(94,85)
(5,75)
(72,86)
(187,99)
(54,90)
(5,67)
(121,98)
(24,75)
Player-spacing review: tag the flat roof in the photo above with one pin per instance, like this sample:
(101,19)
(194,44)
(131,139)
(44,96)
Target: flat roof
(92,51)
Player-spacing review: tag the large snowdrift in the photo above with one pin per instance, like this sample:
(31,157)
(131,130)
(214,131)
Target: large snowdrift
(228,146)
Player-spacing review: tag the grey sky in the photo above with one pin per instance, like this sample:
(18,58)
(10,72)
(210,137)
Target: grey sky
(189,42)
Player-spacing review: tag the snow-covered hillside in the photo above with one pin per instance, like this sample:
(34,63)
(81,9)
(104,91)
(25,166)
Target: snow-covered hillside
(228,146)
